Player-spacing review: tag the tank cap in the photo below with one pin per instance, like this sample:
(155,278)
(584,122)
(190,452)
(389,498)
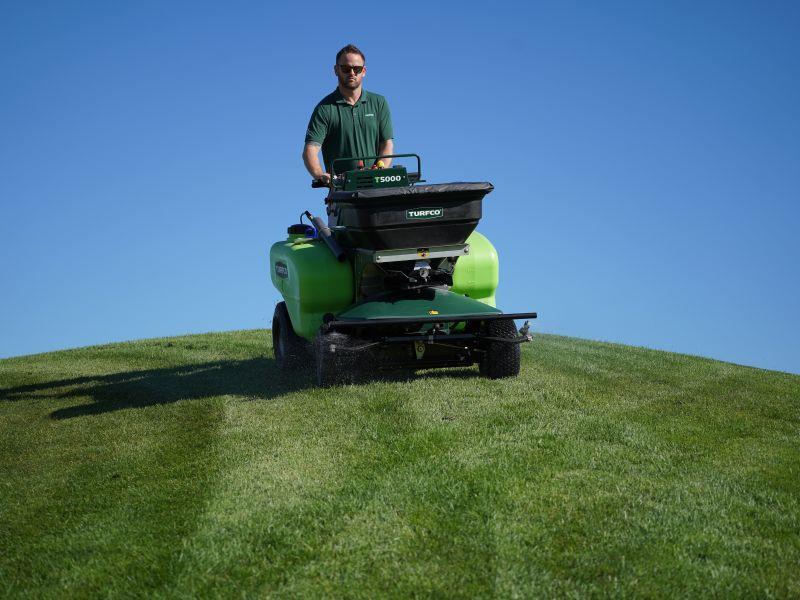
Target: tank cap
(301,229)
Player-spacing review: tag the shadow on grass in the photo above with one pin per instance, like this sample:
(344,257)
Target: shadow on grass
(256,378)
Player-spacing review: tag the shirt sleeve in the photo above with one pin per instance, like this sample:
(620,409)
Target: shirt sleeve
(385,124)
(317,127)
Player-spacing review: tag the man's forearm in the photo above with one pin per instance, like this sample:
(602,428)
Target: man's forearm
(387,147)
(311,161)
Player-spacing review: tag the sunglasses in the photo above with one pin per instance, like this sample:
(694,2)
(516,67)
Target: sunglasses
(348,69)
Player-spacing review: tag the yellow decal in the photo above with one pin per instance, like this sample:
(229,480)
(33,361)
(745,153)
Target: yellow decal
(433,312)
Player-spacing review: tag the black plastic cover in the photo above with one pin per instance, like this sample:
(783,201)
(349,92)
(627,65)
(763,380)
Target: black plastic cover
(429,190)
(378,218)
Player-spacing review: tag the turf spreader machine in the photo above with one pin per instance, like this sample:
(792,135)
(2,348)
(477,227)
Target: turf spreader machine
(397,279)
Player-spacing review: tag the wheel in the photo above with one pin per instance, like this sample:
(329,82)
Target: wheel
(500,359)
(335,359)
(290,350)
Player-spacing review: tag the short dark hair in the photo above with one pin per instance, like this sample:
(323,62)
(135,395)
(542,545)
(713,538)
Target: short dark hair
(350,49)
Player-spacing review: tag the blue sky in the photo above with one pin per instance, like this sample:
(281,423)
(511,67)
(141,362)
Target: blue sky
(645,155)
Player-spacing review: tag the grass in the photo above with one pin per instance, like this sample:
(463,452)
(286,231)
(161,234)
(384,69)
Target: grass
(190,467)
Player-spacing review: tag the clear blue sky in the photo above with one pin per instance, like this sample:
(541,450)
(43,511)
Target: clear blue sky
(646,159)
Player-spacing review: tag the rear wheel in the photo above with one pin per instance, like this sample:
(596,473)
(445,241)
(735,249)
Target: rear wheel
(500,359)
(290,350)
(335,359)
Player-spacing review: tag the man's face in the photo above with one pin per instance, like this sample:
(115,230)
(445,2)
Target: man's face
(348,78)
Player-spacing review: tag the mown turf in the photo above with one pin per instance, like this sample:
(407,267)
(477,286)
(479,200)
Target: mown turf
(191,467)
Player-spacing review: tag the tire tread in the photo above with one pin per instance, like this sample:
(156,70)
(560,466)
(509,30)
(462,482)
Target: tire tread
(500,359)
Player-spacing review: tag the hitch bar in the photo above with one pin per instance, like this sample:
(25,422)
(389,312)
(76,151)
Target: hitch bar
(348,324)
(438,340)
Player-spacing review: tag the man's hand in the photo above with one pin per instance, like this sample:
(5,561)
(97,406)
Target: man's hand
(324,178)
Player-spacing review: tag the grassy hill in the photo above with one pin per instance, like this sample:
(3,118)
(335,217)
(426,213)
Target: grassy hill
(191,466)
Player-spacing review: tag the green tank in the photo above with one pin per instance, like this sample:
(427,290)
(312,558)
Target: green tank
(311,281)
(477,274)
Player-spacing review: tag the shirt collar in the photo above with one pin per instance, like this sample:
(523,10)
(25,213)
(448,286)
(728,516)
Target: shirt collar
(340,99)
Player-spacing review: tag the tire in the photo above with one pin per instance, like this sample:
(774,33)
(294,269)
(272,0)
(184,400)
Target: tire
(291,351)
(335,359)
(500,359)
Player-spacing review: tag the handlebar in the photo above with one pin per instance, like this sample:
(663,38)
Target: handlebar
(338,179)
(367,158)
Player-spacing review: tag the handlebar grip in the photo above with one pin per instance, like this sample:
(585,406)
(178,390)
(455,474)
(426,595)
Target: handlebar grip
(318,183)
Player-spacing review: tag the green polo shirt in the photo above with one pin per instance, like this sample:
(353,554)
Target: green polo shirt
(345,130)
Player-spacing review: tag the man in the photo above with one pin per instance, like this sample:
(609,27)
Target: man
(348,122)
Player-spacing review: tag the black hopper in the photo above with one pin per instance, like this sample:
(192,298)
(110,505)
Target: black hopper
(407,217)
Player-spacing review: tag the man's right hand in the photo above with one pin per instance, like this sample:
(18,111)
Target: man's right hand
(323,180)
